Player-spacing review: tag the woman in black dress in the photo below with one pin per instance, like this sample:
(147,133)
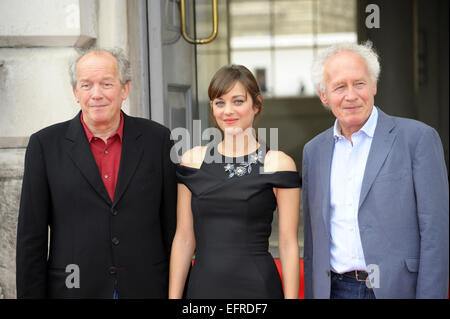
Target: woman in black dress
(227,194)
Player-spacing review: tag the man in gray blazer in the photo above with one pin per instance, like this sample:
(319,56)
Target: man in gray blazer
(375,192)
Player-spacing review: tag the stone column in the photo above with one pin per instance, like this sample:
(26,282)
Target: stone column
(38,39)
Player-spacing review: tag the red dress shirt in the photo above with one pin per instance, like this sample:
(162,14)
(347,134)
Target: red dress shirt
(107,156)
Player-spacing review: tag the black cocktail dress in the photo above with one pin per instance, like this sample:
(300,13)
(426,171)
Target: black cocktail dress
(232,205)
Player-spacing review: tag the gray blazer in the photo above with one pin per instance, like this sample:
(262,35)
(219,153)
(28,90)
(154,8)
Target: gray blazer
(403,211)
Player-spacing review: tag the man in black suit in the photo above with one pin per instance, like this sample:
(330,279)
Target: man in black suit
(104,184)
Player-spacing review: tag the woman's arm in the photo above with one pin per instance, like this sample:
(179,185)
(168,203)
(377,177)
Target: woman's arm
(183,245)
(288,202)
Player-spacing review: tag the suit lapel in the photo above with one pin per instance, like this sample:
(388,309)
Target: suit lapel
(80,152)
(379,150)
(132,150)
(325,173)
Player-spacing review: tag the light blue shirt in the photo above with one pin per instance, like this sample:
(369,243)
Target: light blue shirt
(347,171)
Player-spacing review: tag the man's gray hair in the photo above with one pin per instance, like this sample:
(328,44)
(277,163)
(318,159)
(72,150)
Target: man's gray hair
(364,50)
(123,63)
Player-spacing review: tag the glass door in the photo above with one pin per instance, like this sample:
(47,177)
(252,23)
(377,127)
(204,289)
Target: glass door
(172,76)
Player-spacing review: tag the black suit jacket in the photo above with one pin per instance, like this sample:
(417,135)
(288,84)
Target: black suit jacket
(125,242)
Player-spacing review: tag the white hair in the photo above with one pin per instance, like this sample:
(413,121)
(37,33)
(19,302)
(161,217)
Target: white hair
(123,64)
(364,50)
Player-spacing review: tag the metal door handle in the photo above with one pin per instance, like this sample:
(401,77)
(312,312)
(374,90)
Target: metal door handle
(215,16)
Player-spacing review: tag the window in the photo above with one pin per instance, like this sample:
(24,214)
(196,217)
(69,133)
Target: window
(281,37)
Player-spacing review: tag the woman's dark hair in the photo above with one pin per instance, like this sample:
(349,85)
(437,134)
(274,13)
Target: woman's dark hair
(227,76)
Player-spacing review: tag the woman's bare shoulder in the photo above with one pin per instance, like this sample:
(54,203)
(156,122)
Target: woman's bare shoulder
(194,157)
(276,161)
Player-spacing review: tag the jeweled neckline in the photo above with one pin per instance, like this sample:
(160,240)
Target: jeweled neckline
(245,167)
